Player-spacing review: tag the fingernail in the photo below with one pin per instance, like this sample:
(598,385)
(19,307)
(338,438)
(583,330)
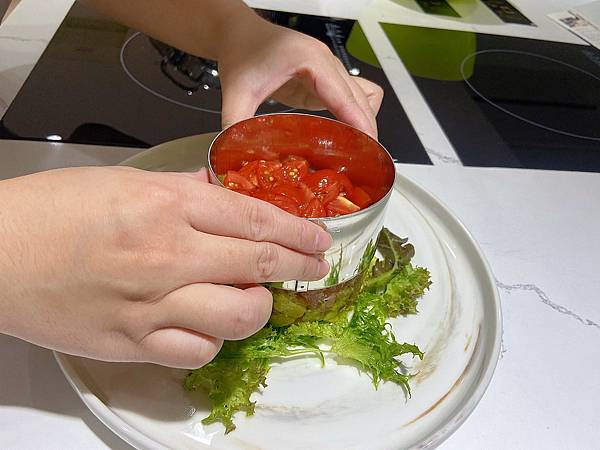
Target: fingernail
(323,241)
(323,268)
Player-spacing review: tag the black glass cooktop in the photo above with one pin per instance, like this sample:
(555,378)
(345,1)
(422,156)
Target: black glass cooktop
(505,101)
(101,83)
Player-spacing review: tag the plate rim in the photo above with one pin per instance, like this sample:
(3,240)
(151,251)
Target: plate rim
(139,440)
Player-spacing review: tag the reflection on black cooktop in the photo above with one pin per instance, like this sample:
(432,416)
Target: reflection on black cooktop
(101,83)
(510,102)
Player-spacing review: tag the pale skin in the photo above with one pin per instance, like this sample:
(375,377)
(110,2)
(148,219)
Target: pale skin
(120,264)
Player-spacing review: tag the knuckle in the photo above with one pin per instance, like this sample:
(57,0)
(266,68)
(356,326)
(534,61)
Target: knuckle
(143,235)
(155,256)
(247,320)
(309,267)
(266,261)
(139,251)
(349,101)
(306,235)
(260,221)
(163,195)
(132,322)
(320,47)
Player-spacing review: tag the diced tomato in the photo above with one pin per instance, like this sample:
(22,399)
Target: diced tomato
(294,168)
(235,181)
(359,197)
(267,173)
(328,192)
(294,191)
(318,181)
(374,193)
(307,194)
(249,170)
(314,209)
(286,203)
(340,206)
(295,188)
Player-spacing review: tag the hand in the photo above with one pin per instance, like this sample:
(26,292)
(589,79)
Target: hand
(258,59)
(120,264)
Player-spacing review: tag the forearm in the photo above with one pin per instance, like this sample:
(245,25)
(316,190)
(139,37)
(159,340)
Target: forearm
(198,27)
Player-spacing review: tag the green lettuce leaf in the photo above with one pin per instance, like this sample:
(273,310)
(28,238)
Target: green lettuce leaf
(353,329)
(396,254)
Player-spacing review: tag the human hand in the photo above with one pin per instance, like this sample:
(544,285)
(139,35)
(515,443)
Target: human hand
(119,264)
(258,60)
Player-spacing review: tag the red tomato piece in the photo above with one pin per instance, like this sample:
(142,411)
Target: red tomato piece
(281,201)
(294,191)
(294,168)
(249,170)
(314,209)
(359,197)
(340,206)
(319,180)
(307,194)
(267,173)
(235,181)
(327,192)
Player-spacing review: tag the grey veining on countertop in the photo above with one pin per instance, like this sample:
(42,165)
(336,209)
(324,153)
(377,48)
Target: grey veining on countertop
(546,300)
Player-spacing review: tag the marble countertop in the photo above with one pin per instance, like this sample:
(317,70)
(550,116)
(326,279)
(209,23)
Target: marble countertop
(540,231)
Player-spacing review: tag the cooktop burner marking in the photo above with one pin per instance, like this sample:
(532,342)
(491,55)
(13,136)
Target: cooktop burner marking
(517,116)
(164,97)
(148,89)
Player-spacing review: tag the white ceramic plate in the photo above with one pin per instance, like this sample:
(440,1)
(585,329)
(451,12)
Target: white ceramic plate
(458,327)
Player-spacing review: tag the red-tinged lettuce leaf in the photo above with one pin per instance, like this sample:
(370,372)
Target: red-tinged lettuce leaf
(359,334)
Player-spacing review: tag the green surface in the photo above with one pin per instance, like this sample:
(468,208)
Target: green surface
(359,47)
(433,53)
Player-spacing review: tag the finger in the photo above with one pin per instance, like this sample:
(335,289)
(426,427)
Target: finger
(373,91)
(178,347)
(238,103)
(294,93)
(337,96)
(219,211)
(221,311)
(200,175)
(225,260)
(360,97)
(365,105)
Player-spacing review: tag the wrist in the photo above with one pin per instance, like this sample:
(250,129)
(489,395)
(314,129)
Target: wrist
(234,30)
(7,263)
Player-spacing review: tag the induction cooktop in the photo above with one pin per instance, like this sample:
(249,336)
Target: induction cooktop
(508,102)
(101,83)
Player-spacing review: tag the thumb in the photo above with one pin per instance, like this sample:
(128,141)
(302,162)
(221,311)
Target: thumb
(238,104)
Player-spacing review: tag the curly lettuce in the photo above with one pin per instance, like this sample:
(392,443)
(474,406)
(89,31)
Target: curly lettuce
(353,328)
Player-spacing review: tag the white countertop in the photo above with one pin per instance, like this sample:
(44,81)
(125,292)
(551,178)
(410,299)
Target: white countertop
(540,231)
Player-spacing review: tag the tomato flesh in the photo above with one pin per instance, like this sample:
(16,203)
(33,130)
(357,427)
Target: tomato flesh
(295,187)
(322,178)
(341,206)
(359,197)
(266,173)
(286,203)
(249,170)
(294,169)
(236,181)
(314,209)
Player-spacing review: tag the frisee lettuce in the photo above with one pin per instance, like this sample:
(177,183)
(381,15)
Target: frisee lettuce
(389,287)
